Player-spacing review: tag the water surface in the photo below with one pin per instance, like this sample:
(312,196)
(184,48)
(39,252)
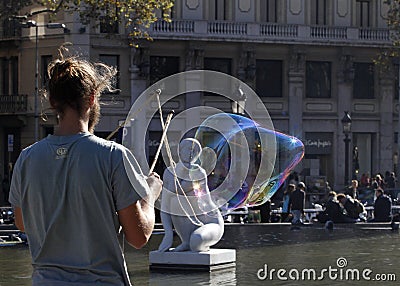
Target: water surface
(277,246)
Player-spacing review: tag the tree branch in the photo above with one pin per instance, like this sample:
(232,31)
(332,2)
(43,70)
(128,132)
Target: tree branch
(47,10)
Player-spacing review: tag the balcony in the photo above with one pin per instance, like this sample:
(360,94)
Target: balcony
(269,33)
(13,104)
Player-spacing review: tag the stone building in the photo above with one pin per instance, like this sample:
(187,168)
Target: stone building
(308,60)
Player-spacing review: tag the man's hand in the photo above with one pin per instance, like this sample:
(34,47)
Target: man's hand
(155,185)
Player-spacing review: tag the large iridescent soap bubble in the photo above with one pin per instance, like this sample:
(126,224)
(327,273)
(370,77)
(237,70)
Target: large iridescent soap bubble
(245,170)
(239,174)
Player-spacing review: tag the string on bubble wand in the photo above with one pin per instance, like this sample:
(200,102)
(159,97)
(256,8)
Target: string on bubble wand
(157,92)
(164,139)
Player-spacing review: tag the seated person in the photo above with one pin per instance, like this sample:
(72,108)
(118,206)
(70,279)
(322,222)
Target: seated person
(354,209)
(333,211)
(382,207)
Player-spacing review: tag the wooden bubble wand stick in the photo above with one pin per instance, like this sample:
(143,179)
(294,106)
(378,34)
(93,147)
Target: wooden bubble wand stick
(163,138)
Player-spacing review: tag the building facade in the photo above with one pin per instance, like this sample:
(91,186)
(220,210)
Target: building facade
(308,60)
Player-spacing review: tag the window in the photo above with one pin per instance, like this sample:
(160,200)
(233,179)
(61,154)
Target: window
(363,10)
(220,65)
(364,143)
(14,75)
(161,67)
(363,81)
(319,12)
(220,12)
(269,11)
(46,60)
(4,76)
(108,25)
(269,78)
(113,61)
(9,76)
(318,79)
(219,9)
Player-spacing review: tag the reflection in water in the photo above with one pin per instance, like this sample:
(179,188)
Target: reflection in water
(220,277)
(274,245)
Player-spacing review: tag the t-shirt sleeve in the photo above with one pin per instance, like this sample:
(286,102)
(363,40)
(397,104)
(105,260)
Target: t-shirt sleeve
(129,183)
(15,188)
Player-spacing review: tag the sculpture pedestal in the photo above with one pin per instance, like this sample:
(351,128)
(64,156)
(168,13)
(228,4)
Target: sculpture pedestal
(213,259)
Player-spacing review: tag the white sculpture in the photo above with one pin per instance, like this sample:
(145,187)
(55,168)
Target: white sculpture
(186,204)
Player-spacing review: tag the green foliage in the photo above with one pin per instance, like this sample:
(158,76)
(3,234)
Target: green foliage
(136,15)
(9,8)
(387,56)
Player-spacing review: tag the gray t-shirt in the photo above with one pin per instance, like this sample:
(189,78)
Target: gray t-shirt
(69,189)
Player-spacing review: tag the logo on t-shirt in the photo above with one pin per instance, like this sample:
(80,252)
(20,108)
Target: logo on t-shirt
(61,153)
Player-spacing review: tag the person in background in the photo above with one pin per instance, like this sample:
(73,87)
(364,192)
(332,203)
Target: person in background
(5,183)
(286,203)
(72,191)
(265,211)
(365,180)
(382,207)
(391,180)
(379,180)
(297,202)
(328,188)
(353,189)
(353,208)
(333,211)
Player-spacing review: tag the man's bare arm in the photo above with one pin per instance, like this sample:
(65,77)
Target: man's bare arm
(19,223)
(137,220)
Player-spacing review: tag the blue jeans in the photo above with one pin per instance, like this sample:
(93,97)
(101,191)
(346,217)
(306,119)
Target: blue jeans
(297,214)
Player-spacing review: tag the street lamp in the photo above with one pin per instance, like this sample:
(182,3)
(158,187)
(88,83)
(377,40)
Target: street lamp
(239,101)
(346,123)
(30,24)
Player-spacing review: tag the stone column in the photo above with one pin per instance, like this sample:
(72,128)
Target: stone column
(138,69)
(194,60)
(296,91)
(296,81)
(386,127)
(246,70)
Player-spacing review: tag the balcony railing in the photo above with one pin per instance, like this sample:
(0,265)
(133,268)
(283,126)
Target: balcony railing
(10,104)
(226,28)
(269,32)
(180,27)
(276,30)
(323,33)
(374,34)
